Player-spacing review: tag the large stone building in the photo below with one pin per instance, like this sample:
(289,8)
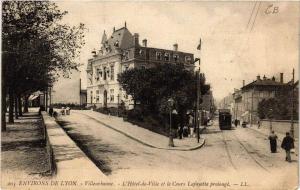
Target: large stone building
(248,97)
(119,52)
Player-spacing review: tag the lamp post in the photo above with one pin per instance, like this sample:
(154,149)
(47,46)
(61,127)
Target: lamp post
(171,103)
(198,116)
(292,114)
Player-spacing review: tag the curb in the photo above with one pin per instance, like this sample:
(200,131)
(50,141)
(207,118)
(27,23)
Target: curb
(48,126)
(145,143)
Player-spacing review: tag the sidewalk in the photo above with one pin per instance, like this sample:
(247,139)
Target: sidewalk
(71,162)
(141,135)
(266,132)
(23,151)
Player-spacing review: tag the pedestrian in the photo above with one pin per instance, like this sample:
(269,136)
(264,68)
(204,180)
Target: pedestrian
(236,122)
(273,142)
(287,144)
(68,109)
(258,124)
(185,131)
(51,111)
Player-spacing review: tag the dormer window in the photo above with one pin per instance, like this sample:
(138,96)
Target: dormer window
(117,43)
(158,56)
(188,59)
(176,57)
(167,57)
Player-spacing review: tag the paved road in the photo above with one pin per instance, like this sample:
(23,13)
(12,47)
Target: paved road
(235,156)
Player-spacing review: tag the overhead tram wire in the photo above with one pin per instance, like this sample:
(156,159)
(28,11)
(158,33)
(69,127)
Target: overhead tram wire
(255,16)
(238,53)
(250,18)
(242,48)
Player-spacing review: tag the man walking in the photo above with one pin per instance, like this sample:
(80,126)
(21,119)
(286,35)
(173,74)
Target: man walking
(287,145)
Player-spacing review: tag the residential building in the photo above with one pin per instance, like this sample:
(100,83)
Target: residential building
(248,98)
(238,104)
(119,52)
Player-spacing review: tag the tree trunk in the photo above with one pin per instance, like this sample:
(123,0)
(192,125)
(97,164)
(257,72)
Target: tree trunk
(16,106)
(20,105)
(11,106)
(46,101)
(3,114)
(26,104)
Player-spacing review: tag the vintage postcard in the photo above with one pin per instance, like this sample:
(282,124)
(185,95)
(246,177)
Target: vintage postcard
(150,95)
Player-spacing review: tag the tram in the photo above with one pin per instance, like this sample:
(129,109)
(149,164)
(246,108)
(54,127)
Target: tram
(224,119)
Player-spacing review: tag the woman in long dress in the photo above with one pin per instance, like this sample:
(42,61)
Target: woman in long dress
(273,142)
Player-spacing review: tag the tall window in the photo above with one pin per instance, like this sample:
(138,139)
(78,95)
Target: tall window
(104,73)
(91,97)
(158,56)
(112,95)
(167,57)
(112,68)
(176,57)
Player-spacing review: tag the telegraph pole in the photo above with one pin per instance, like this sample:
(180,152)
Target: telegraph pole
(292,114)
(198,116)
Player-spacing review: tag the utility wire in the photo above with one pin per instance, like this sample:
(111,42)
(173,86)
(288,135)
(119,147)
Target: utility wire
(255,15)
(250,18)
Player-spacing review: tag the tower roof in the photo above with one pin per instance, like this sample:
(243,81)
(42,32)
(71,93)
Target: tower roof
(104,38)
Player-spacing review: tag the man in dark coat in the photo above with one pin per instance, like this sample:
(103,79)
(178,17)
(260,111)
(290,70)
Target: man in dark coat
(287,145)
(273,142)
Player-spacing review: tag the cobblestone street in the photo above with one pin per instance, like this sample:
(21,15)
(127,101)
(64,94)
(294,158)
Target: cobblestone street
(240,155)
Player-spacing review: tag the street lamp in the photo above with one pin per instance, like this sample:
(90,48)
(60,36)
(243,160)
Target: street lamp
(198,116)
(171,103)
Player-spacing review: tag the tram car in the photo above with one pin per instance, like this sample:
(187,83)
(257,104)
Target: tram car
(224,119)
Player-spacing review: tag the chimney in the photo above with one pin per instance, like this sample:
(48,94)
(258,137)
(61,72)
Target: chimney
(281,77)
(258,77)
(243,83)
(273,78)
(145,42)
(136,39)
(175,47)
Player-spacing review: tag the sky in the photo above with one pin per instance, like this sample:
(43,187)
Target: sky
(240,40)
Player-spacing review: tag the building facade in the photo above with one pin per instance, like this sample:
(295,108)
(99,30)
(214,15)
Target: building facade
(248,98)
(119,52)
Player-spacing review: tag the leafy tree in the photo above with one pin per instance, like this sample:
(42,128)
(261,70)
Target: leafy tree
(35,47)
(276,108)
(153,86)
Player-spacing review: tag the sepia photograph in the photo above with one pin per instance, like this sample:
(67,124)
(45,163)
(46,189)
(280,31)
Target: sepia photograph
(159,94)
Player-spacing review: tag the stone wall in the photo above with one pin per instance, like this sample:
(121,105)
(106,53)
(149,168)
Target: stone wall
(281,126)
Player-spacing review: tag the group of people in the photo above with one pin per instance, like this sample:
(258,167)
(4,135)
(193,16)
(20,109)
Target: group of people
(65,111)
(287,144)
(187,129)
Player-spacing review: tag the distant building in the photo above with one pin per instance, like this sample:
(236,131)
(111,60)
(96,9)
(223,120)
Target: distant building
(66,90)
(83,97)
(119,52)
(208,102)
(248,98)
(227,103)
(238,108)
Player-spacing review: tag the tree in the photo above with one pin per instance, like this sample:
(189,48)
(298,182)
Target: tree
(153,86)
(277,108)
(35,47)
